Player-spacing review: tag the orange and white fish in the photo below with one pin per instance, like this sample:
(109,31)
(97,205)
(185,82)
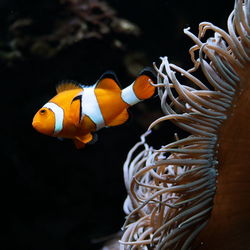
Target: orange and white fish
(77,111)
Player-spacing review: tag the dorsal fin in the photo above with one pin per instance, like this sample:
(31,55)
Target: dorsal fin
(67,85)
(109,74)
(108,80)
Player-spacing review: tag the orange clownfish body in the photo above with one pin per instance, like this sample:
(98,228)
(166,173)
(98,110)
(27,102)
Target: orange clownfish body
(77,111)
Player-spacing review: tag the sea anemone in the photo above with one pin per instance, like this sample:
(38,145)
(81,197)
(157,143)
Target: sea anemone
(200,181)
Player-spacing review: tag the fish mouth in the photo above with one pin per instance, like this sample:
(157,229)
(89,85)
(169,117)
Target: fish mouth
(42,128)
(35,124)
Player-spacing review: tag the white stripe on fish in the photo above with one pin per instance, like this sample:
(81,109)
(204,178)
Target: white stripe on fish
(59,115)
(128,95)
(90,107)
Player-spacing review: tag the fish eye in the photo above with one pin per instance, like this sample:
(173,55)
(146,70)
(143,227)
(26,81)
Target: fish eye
(42,111)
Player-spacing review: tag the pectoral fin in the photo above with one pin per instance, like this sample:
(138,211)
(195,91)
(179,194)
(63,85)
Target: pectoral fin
(76,110)
(81,141)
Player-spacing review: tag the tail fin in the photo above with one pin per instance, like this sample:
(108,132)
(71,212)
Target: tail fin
(141,88)
(142,85)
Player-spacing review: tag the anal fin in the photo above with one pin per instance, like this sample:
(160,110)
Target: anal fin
(94,139)
(81,141)
(120,119)
(78,144)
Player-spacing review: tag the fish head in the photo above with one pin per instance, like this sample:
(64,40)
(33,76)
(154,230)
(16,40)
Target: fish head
(44,121)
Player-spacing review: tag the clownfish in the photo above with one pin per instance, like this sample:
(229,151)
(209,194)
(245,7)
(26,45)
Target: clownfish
(78,111)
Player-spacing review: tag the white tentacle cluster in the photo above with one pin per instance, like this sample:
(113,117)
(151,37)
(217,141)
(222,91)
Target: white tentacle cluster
(171,189)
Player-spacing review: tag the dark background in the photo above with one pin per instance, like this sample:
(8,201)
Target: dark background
(54,196)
